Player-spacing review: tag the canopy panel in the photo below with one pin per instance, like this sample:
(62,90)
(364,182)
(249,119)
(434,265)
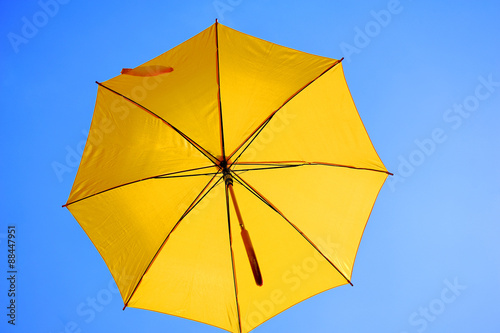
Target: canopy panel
(320,124)
(256,78)
(192,276)
(186,96)
(292,269)
(126,144)
(128,224)
(330,205)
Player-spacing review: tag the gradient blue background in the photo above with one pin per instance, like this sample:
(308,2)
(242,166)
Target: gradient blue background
(436,222)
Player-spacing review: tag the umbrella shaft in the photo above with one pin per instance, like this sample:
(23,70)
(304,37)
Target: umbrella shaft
(236,207)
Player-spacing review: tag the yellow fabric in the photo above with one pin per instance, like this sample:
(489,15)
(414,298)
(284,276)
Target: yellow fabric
(126,144)
(150,195)
(185,96)
(256,78)
(128,224)
(320,124)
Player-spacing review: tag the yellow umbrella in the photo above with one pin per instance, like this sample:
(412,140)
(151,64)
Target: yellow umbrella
(227,179)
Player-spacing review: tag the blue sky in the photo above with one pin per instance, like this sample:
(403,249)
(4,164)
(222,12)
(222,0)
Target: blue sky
(425,77)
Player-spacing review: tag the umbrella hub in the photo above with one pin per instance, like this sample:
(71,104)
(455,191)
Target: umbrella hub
(228,179)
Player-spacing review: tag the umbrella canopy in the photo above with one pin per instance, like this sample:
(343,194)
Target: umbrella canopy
(226,179)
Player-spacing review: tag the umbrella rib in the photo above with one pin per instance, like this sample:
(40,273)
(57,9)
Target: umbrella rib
(269,167)
(261,197)
(183,176)
(278,164)
(166,175)
(232,260)
(266,121)
(195,202)
(187,138)
(245,185)
(217,65)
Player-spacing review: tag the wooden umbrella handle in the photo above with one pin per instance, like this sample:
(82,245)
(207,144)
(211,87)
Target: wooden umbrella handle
(252,257)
